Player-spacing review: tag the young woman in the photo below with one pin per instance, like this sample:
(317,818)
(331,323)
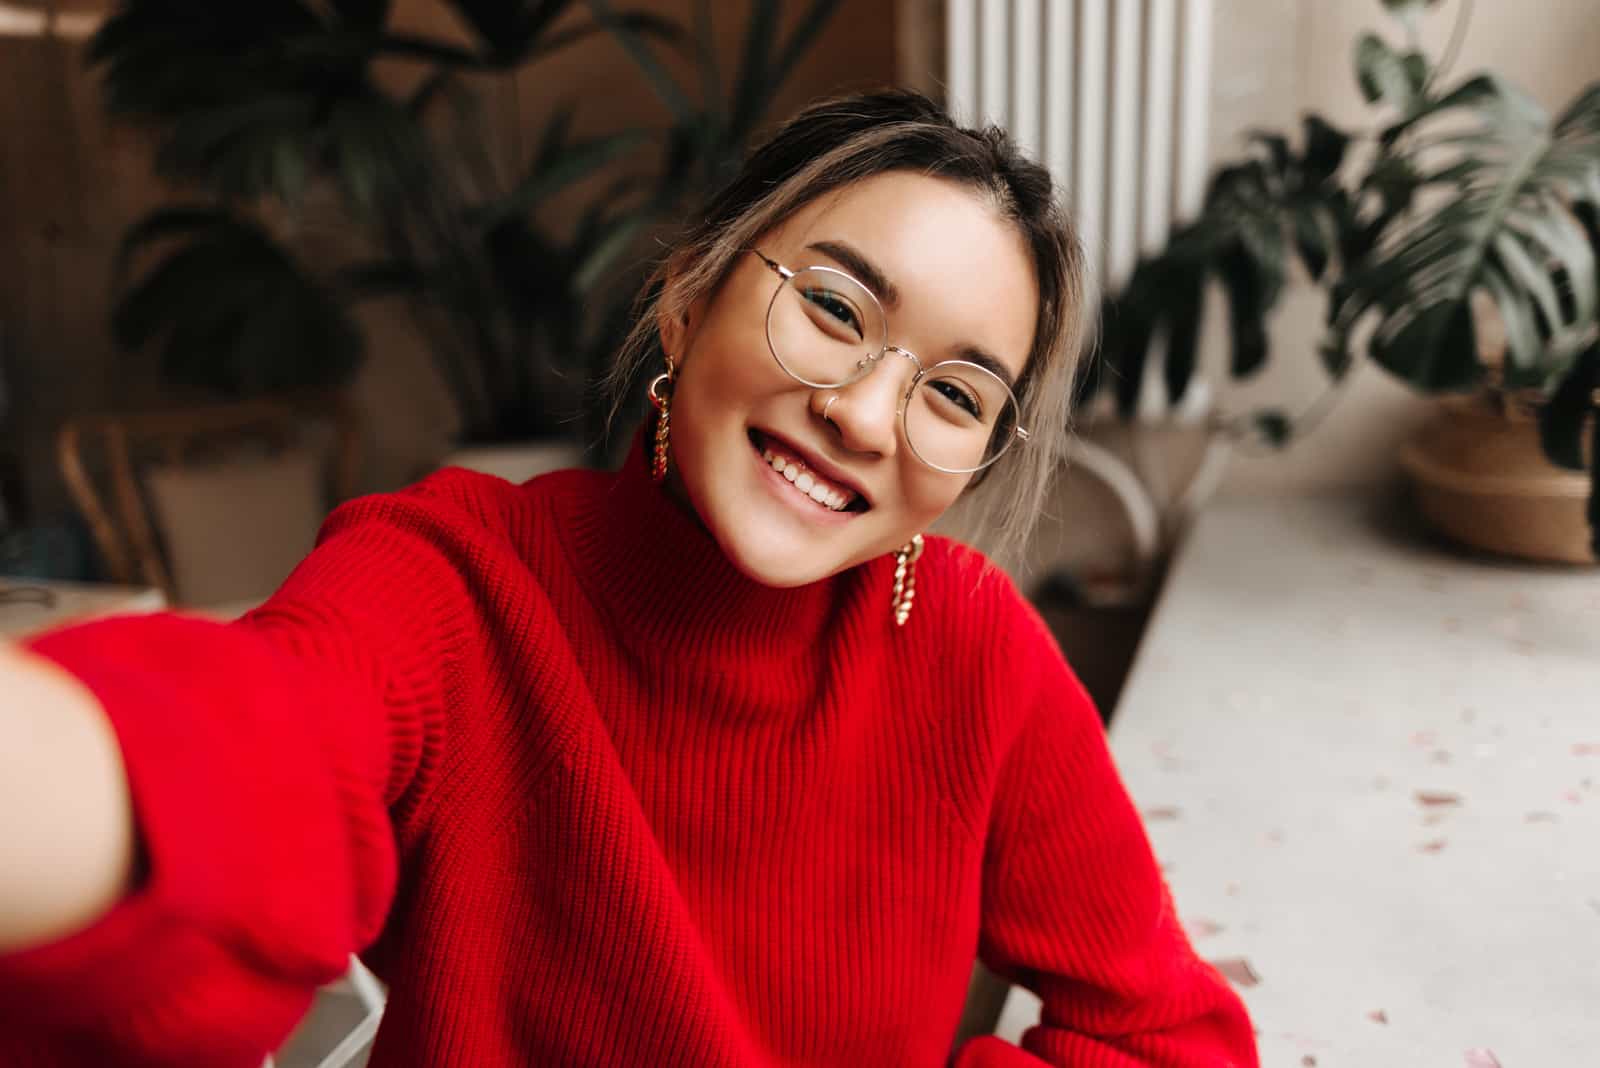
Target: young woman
(714,761)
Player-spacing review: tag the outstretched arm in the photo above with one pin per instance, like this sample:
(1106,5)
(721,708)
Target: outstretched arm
(208,815)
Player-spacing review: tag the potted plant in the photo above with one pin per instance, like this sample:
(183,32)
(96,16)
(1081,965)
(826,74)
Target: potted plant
(1467,209)
(323,187)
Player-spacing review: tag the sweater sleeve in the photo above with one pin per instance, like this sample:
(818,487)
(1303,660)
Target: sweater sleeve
(1075,909)
(274,763)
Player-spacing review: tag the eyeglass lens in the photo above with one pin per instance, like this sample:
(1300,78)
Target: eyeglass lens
(825,329)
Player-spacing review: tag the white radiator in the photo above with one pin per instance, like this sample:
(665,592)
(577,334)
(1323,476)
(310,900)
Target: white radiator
(1112,95)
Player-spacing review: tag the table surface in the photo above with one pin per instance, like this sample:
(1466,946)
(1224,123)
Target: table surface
(68,602)
(1368,764)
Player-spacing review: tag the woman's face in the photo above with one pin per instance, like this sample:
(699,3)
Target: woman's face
(956,277)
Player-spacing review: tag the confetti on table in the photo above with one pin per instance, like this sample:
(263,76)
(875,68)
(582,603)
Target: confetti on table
(1437,797)
(1308,1061)
(1202,928)
(1424,739)
(1162,812)
(1586,749)
(1541,817)
(1237,970)
(1378,1016)
(1481,1058)
(1434,846)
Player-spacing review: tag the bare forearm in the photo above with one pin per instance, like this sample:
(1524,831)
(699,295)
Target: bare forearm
(67,840)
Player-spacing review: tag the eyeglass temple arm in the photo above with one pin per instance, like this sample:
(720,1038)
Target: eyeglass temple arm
(782,271)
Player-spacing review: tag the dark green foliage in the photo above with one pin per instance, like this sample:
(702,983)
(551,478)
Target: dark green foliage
(1464,190)
(259,102)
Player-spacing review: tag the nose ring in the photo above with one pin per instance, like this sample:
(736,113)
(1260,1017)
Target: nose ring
(828,405)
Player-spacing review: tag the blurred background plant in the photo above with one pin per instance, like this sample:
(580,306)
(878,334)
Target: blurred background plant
(311,185)
(1465,209)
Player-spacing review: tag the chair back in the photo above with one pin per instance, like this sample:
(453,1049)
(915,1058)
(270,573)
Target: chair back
(197,496)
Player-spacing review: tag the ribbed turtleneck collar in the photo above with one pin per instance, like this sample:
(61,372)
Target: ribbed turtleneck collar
(666,582)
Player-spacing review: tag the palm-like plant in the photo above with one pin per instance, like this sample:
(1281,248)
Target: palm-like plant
(1473,189)
(271,108)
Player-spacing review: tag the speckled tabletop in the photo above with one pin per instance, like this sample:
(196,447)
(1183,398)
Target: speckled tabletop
(1369,766)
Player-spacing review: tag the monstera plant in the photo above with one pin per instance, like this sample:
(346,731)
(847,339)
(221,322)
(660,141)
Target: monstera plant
(314,184)
(1459,195)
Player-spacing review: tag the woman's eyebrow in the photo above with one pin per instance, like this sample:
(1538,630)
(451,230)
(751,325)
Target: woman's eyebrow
(987,361)
(865,271)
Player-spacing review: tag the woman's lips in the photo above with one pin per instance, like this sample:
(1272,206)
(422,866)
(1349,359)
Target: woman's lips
(818,467)
(790,491)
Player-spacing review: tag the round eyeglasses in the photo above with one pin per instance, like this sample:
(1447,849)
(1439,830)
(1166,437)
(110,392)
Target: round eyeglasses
(827,330)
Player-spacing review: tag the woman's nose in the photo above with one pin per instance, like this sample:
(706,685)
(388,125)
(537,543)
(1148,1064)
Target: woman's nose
(867,412)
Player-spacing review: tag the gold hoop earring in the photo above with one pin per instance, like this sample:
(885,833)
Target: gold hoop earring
(905,578)
(660,393)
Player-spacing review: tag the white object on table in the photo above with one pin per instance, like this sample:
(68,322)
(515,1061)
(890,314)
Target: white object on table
(1370,766)
(69,602)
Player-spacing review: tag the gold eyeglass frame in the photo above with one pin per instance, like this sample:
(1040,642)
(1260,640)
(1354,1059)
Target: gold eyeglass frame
(865,365)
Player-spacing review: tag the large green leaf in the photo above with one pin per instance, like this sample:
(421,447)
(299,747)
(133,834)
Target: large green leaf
(1325,147)
(1382,73)
(1504,174)
(1185,298)
(1249,296)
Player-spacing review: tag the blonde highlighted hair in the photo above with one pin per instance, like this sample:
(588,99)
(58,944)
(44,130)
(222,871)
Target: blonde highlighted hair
(837,142)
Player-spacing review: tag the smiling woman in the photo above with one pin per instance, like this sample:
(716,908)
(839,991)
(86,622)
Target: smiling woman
(905,433)
(653,767)
(953,232)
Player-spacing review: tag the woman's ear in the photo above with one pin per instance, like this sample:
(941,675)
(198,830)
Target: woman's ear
(672,317)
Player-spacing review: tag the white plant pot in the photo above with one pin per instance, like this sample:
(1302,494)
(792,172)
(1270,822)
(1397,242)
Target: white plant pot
(519,462)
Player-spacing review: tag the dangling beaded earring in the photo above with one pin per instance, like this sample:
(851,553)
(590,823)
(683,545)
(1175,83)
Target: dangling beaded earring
(905,578)
(660,394)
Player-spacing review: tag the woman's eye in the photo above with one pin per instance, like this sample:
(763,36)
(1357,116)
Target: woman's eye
(958,396)
(835,307)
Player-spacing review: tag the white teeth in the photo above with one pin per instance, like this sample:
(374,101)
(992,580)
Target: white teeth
(806,482)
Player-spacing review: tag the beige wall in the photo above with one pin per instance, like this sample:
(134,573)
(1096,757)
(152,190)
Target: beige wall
(69,185)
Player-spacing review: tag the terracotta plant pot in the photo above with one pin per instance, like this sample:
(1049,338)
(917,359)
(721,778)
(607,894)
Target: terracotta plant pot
(1482,479)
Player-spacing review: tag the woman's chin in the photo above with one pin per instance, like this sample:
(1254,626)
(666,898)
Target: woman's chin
(770,565)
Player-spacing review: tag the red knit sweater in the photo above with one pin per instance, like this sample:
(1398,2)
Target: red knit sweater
(587,796)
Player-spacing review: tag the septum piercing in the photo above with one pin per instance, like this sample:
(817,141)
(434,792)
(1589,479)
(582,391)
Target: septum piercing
(828,405)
